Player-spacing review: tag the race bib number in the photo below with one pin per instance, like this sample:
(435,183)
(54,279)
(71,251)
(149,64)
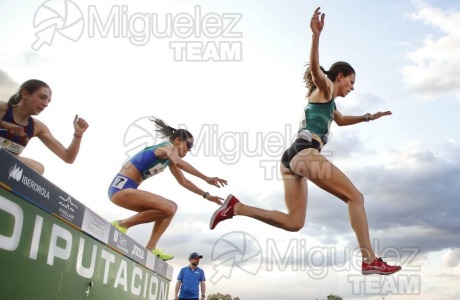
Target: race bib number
(11,147)
(154,171)
(119,182)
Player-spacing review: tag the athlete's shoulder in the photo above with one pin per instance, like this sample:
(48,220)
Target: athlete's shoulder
(163,144)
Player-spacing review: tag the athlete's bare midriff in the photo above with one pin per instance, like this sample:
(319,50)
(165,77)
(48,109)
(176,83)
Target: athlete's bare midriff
(130,171)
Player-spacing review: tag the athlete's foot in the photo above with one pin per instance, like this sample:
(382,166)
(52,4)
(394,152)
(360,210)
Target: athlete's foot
(378,266)
(116,224)
(226,211)
(161,255)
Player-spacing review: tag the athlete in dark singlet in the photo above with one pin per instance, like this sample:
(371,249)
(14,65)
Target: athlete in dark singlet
(147,163)
(17,126)
(299,163)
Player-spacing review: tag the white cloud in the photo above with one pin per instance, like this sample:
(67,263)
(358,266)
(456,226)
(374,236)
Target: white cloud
(7,86)
(435,65)
(451,258)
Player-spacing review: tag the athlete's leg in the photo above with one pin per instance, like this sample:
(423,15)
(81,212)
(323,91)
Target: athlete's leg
(38,167)
(295,194)
(159,228)
(315,167)
(150,208)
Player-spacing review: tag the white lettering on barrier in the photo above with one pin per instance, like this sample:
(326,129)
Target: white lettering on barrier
(138,252)
(136,290)
(56,251)
(137,282)
(36,238)
(153,281)
(35,187)
(146,280)
(81,270)
(122,276)
(11,243)
(109,259)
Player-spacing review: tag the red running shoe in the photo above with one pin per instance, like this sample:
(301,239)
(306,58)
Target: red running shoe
(378,266)
(224,212)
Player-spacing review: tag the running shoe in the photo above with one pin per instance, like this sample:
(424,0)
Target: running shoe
(161,255)
(116,224)
(378,266)
(224,212)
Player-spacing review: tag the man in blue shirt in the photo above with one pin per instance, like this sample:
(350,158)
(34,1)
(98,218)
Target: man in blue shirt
(189,279)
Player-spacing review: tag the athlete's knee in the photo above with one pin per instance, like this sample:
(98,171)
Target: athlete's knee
(35,165)
(294,225)
(174,207)
(170,209)
(356,198)
(40,168)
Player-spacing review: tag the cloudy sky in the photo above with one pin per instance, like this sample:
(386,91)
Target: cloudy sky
(234,79)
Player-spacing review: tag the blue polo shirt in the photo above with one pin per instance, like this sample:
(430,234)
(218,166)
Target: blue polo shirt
(190,282)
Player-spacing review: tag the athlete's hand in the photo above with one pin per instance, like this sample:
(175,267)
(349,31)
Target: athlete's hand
(80,125)
(13,128)
(379,114)
(215,199)
(216,181)
(317,22)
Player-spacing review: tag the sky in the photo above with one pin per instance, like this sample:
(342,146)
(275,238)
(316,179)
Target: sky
(231,73)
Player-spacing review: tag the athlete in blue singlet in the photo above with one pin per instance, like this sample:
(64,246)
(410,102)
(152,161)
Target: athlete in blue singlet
(17,126)
(147,163)
(303,162)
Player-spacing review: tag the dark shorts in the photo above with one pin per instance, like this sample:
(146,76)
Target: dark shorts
(298,145)
(121,182)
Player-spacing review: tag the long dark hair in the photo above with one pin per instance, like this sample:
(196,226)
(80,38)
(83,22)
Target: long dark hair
(166,131)
(31,86)
(336,68)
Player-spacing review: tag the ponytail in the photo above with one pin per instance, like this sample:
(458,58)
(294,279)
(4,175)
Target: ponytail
(336,68)
(308,79)
(162,129)
(15,99)
(166,131)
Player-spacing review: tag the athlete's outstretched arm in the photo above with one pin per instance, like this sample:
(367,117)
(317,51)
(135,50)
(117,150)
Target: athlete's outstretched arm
(179,175)
(342,120)
(171,153)
(66,154)
(317,25)
(216,181)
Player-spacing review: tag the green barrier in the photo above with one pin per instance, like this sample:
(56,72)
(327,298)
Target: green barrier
(44,255)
